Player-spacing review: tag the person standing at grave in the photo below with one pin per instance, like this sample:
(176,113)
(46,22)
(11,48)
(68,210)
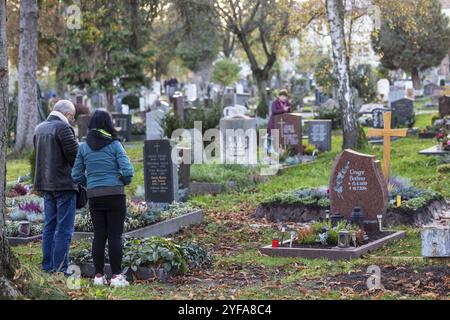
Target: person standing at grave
(281,105)
(56,149)
(104,167)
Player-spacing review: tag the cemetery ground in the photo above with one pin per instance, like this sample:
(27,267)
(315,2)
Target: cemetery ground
(233,236)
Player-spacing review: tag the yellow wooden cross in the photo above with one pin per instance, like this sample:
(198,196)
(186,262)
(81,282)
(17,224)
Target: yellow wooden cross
(387,133)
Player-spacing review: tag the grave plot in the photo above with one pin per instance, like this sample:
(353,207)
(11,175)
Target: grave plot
(24,215)
(349,215)
(148,258)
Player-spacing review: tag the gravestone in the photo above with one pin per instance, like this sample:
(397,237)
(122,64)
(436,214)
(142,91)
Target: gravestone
(430,89)
(369,108)
(229,100)
(384,88)
(242,99)
(238,140)
(160,172)
(290,130)
(319,134)
(122,124)
(396,94)
(357,181)
(403,112)
(235,111)
(444,106)
(83,123)
(191,92)
(239,89)
(178,105)
(154,123)
(378,120)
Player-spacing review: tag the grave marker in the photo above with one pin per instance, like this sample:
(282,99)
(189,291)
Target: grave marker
(160,172)
(290,129)
(403,111)
(122,124)
(387,133)
(357,181)
(319,134)
(444,106)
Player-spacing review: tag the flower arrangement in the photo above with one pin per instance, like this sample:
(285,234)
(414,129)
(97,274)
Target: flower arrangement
(29,211)
(443,140)
(17,191)
(325,234)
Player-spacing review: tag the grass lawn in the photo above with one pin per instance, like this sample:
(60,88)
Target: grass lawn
(233,236)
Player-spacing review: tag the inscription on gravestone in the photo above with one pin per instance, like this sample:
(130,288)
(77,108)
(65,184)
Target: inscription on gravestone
(319,134)
(290,128)
(160,173)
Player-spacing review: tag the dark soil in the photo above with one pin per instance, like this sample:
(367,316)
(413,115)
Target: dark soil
(433,281)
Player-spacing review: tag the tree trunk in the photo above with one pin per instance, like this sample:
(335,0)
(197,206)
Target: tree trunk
(417,82)
(263,105)
(7,261)
(60,85)
(28,100)
(354,137)
(110,101)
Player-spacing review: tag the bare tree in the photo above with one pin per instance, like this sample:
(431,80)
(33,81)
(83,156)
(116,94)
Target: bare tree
(262,27)
(7,262)
(28,100)
(353,135)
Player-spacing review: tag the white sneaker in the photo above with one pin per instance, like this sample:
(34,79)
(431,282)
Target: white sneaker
(119,281)
(100,280)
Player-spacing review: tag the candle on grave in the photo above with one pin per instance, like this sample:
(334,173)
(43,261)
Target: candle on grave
(399,201)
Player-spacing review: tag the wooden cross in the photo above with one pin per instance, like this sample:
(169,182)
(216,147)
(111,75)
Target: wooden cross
(387,133)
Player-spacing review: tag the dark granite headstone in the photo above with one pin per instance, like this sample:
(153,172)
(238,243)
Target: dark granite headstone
(178,105)
(122,123)
(319,134)
(378,118)
(83,123)
(290,128)
(403,112)
(357,181)
(160,172)
(444,106)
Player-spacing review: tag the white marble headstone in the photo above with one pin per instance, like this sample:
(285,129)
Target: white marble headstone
(384,88)
(154,122)
(191,92)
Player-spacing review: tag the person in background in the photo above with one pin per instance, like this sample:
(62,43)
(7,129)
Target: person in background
(56,149)
(104,167)
(280,106)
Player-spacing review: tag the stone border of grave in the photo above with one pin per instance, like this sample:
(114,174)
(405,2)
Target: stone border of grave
(161,229)
(300,213)
(17,241)
(331,254)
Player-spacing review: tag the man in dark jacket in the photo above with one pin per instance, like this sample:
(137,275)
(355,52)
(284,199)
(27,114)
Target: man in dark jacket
(56,149)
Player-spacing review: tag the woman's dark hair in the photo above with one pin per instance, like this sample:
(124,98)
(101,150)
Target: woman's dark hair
(102,120)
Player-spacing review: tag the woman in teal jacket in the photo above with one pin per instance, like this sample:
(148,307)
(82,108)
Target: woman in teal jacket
(104,167)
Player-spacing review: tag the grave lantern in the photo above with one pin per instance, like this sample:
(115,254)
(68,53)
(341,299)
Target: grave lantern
(357,217)
(344,239)
(24,229)
(335,218)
